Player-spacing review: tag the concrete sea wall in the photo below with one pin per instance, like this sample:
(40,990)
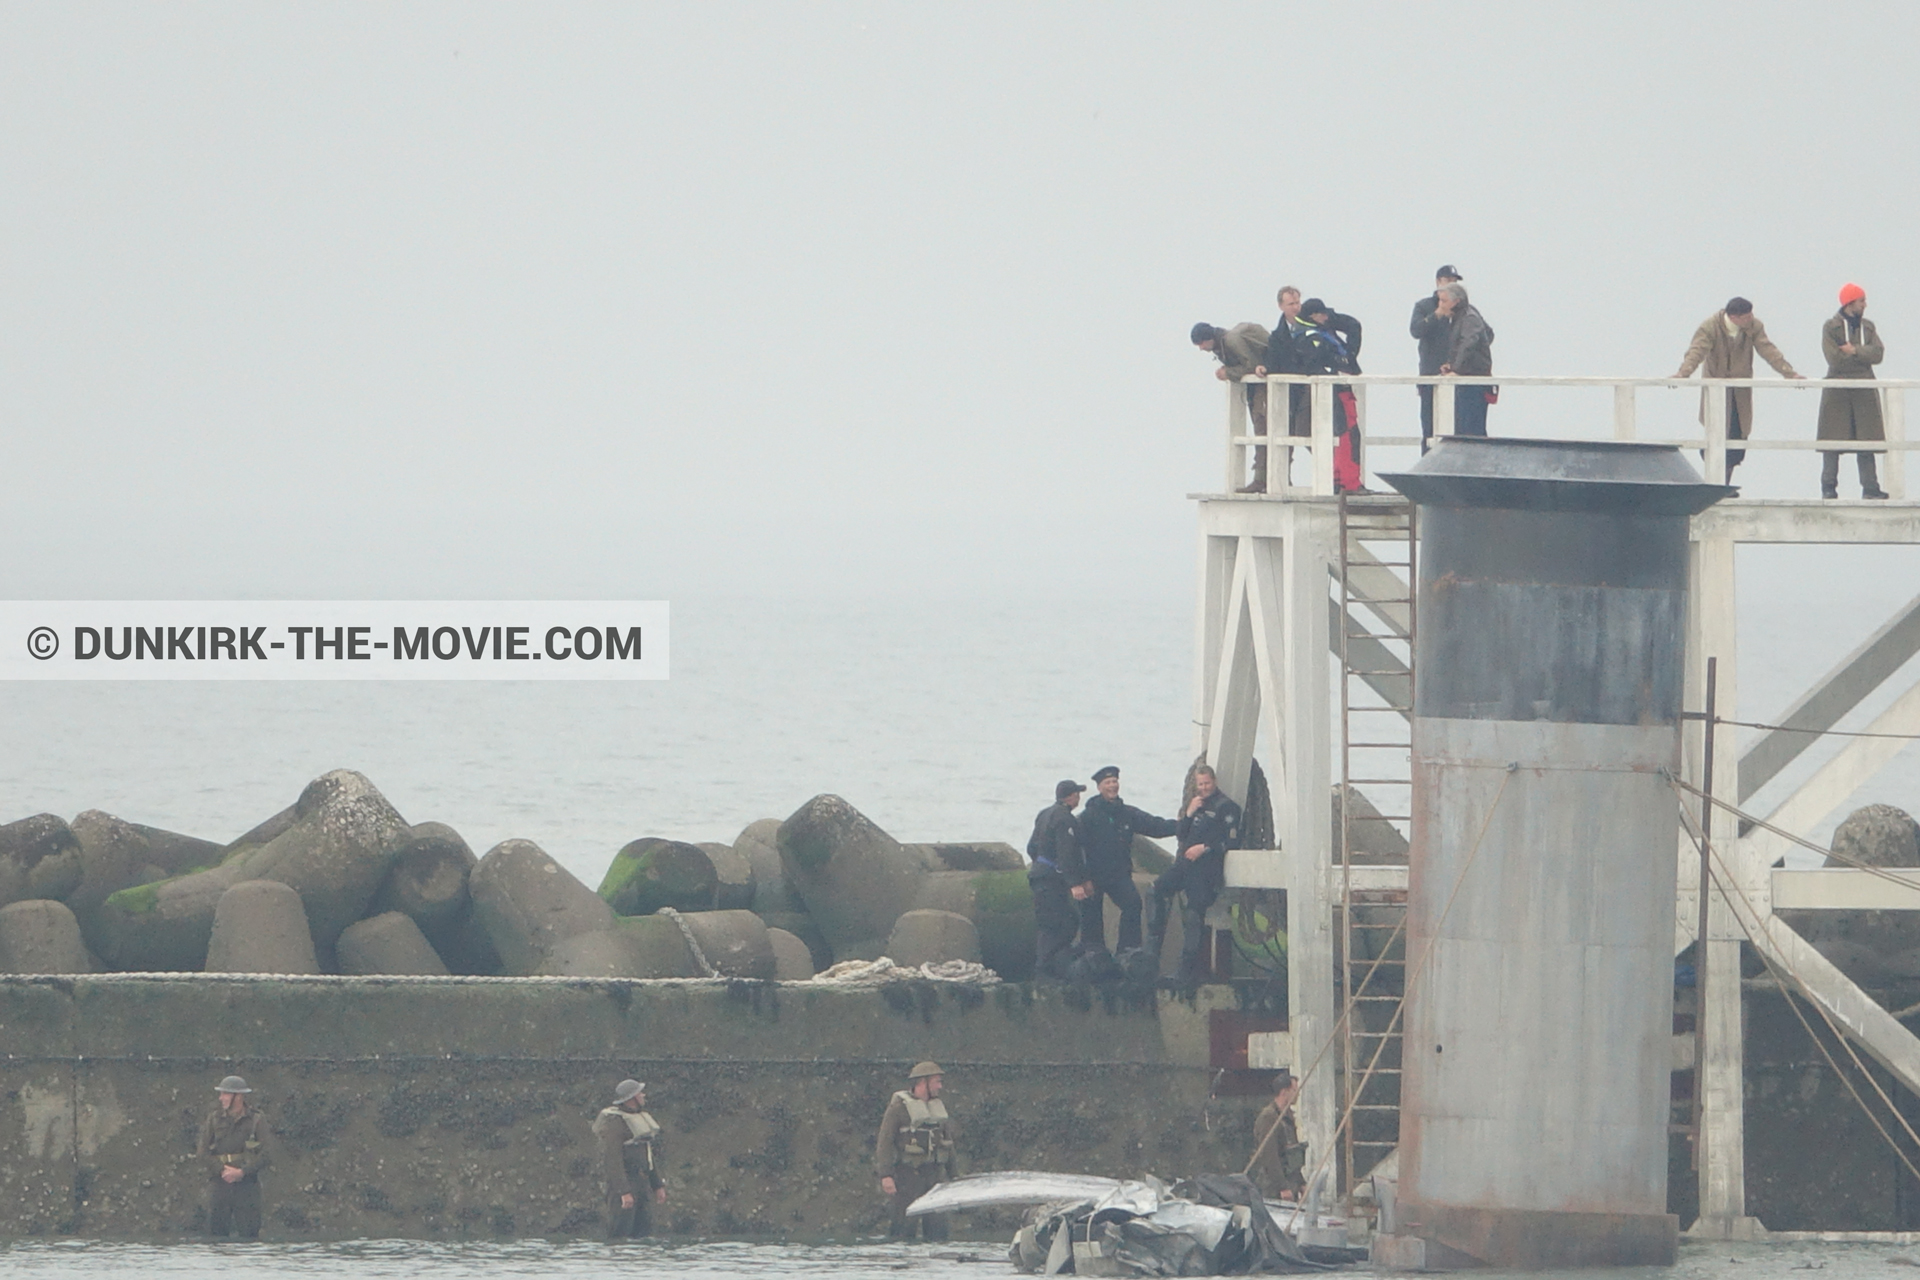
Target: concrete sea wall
(458,1107)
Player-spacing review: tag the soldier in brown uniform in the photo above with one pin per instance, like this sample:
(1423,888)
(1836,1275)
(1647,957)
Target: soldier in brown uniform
(233,1147)
(629,1156)
(1281,1170)
(915,1150)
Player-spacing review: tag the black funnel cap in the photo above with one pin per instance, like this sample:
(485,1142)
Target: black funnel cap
(1618,476)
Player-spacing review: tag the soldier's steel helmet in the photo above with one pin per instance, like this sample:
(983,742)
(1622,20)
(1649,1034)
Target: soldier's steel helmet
(923,1069)
(628,1089)
(232,1084)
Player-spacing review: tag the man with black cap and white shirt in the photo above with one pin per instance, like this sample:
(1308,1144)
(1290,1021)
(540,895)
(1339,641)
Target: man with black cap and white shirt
(1058,877)
(1107,827)
(1433,332)
(233,1148)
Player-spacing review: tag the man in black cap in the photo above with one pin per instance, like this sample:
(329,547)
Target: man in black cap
(1433,332)
(1107,827)
(1208,828)
(1058,878)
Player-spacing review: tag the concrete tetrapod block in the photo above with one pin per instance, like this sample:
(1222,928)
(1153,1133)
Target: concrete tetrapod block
(39,858)
(801,926)
(1000,904)
(929,937)
(651,872)
(791,960)
(733,877)
(971,855)
(529,904)
(41,936)
(260,926)
(116,854)
(1150,856)
(759,843)
(856,879)
(387,943)
(428,882)
(605,953)
(734,942)
(336,851)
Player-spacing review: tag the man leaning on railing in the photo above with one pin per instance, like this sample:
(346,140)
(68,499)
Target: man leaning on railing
(1240,351)
(1725,342)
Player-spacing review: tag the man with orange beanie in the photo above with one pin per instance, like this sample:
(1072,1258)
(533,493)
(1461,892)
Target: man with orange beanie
(1852,346)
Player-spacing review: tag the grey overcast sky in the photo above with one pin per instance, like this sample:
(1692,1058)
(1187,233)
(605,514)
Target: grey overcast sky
(637,300)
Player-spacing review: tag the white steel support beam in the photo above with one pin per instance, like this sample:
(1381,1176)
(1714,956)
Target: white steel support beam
(1236,697)
(1216,590)
(1307,836)
(1722,1077)
(1838,692)
(1836,780)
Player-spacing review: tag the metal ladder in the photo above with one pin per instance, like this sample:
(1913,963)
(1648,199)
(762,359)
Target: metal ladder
(1377,616)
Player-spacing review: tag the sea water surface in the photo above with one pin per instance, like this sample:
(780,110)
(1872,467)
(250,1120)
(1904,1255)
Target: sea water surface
(81,1260)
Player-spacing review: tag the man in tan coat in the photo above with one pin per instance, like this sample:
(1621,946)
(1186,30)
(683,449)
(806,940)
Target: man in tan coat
(914,1149)
(1852,347)
(1725,343)
(1241,350)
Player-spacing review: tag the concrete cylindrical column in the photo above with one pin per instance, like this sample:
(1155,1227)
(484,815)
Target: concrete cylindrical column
(1549,667)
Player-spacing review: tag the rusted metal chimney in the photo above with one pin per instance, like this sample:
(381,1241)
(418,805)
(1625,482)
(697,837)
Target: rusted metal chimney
(1549,671)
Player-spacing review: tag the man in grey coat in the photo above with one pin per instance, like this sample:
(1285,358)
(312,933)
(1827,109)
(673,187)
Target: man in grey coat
(1852,347)
(1470,355)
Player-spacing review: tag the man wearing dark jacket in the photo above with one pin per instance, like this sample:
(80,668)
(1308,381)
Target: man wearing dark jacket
(1107,827)
(1058,878)
(1208,828)
(1469,354)
(1432,331)
(1329,343)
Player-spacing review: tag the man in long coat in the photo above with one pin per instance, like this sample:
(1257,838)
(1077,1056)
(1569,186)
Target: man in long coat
(1725,342)
(1852,347)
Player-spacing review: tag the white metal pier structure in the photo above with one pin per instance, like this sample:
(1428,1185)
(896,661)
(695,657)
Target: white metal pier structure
(1303,650)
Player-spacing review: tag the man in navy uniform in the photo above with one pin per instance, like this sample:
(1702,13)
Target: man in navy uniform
(1208,828)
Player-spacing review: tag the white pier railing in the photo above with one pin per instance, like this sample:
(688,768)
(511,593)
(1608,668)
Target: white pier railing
(1710,436)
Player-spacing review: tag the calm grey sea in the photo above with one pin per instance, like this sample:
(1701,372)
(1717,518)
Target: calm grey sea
(79,1260)
(939,719)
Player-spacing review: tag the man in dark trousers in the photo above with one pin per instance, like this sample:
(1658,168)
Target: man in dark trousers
(233,1149)
(627,1137)
(1432,331)
(1469,355)
(1208,828)
(1852,347)
(1107,827)
(1059,879)
(1239,351)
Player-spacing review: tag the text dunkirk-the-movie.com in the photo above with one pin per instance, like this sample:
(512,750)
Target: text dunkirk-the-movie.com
(333,640)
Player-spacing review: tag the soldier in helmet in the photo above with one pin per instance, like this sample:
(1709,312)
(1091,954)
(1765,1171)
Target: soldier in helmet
(233,1148)
(629,1139)
(915,1149)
